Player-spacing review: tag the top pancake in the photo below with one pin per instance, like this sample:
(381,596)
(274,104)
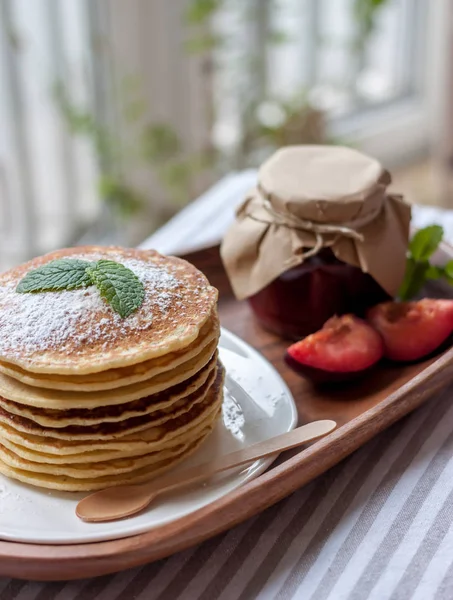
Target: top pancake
(77,332)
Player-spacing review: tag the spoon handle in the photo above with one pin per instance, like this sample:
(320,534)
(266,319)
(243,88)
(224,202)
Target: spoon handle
(279,443)
(122,501)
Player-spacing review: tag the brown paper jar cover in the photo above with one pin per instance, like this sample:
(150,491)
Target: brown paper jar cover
(318,201)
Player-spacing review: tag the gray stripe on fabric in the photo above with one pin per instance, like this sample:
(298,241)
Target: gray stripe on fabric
(169,571)
(138,583)
(374,506)
(445,589)
(427,549)
(191,568)
(12,589)
(332,519)
(71,589)
(29,591)
(340,476)
(117,584)
(4,581)
(401,524)
(297,523)
(93,587)
(50,590)
(172,571)
(245,547)
(268,537)
(261,576)
(214,565)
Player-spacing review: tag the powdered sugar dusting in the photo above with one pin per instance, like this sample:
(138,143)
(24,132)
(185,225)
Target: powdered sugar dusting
(161,281)
(233,416)
(68,321)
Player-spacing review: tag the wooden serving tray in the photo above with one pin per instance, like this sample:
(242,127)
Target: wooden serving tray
(361,410)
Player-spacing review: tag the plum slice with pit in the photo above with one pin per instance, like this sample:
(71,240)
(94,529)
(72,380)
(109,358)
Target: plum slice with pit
(345,348)
(412,330)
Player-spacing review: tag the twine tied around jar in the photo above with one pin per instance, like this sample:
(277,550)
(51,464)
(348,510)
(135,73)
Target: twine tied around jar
(347,229)
(268,238)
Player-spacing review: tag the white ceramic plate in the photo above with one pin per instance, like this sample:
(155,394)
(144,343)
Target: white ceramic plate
(258,405)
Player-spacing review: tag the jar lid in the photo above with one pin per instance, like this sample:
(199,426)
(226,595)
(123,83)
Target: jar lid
(312,197)
(310,180)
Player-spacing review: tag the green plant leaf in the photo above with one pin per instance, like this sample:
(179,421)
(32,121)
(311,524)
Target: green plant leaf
(134,110)
(448,269)
(61,274)
(278,37)
(435,272)
(159,142)
(425,242)
(202,43)
(418,267)
(199,11)
(122,289)
(124,200)
(414,278)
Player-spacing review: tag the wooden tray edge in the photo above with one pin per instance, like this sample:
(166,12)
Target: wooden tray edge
(74,561)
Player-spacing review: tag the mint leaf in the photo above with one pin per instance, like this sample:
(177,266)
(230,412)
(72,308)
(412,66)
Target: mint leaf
(425,242)
(414,278)
(448,269)
(435,272)
(61,274)
(418,268)
(122,289)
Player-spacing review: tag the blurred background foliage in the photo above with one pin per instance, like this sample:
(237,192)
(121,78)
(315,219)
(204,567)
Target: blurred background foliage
(267,122)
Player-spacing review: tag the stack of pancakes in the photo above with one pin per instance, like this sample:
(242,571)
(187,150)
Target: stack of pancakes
(90,400)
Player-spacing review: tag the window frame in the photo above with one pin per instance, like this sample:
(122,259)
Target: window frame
(408,129)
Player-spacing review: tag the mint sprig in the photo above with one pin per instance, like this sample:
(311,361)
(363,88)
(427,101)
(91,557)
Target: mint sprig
(425,242)
(120,287)
(62,274)
(419,270)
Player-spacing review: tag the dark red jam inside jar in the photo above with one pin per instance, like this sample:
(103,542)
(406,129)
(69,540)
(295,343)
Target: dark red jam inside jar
(301,300)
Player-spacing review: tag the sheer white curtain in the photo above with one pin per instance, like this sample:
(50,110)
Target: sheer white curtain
(51,164)
(389,99)
(444,130)
(380,90)
(47,177)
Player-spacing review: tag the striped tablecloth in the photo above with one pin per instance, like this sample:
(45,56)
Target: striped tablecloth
(377,526)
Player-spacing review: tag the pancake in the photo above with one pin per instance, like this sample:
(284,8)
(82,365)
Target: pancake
(11,375)
(188,405)
(60,400)
(76,332)
(89,399)
(162,401)
(121,420)
(69,484)
(191,431)
(154,459)
(87,475)
(146,440)
(92,470)
(115,466)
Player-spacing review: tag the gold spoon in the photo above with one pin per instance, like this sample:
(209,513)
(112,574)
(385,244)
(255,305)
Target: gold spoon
(118,502)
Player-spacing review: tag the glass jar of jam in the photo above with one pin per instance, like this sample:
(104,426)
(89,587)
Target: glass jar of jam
(319,235)
(301,300)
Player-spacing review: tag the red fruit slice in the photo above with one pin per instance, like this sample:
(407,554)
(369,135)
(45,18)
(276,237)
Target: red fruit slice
(344,348)
(412,330)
